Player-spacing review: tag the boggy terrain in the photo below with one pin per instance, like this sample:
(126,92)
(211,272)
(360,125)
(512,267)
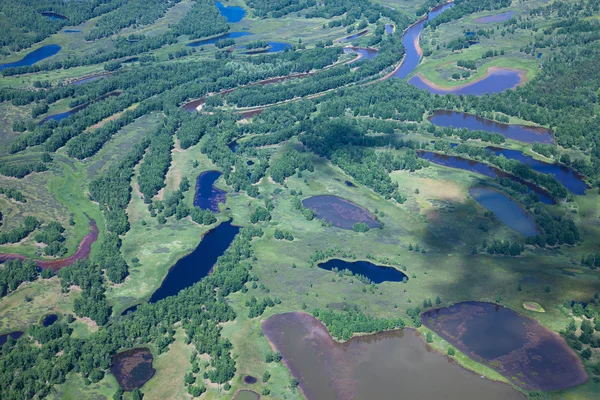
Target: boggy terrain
(285,200)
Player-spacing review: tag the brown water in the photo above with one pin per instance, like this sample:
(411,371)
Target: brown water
(389,365)
(133,368)
(246,395)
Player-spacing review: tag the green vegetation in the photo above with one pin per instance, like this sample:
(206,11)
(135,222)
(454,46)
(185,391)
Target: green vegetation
(130,156)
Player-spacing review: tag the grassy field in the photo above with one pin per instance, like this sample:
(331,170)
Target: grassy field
(441,64)
(439,216)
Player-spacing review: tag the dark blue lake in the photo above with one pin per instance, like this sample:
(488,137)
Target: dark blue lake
(522,133)
(508,211)
(410,40)
(207,196)
(497,80)
(53,16)
(232,13)
(480,168)
(49,319)
(14,335)
(274,47)
(375,273)
(569,178)
(196,265)
(230,35)
(278,46)
(34,57)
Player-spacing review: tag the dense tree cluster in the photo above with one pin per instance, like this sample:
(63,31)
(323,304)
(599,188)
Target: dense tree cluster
(132,12)
(52,235)
(286,165)
(157,160)
(257,308)
(17,234)
(504,248)
(343,325)
(278,8)
(15,272)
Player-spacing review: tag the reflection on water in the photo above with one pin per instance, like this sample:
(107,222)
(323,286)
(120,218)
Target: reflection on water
(516,346)
(508,211)
(390,365)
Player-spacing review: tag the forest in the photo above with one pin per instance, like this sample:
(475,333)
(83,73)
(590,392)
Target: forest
(156,109)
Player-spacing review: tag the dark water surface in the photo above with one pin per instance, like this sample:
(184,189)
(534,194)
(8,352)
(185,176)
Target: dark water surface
(246,395)
(505,16)
(516,346)
(14,335)
(410,40)
(60,116)
(72,30)
(207,196)
(340,212)
(389,28)
(355,36)
(53,16)
(521,133)
(375,273)
(366,52)
(231,13)
(506,209)
(196,265)
(49,319)
(34,57)
(133,368)
(569,178)
(230,35)
(496,81)
(274,47)
(389,365)
(249,380)
(480,168)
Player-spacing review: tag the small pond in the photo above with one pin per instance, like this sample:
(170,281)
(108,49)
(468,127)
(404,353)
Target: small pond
(207,196)
(14,335)
(389,365)
(522,133)
(53,16)
(480,168)
(354,36)
(133,368)
(389,28)
(49,319)
(249,380)
(366,53)
(131,309)
(246,395)
(518,347)
(569,178)
(213,40)
(508,211)
(274,47)
(495,81)
(375,273)
(196,265)
(340,212)
(349,184)
(505,16)
(34,57)
(231,13)
(72,31)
